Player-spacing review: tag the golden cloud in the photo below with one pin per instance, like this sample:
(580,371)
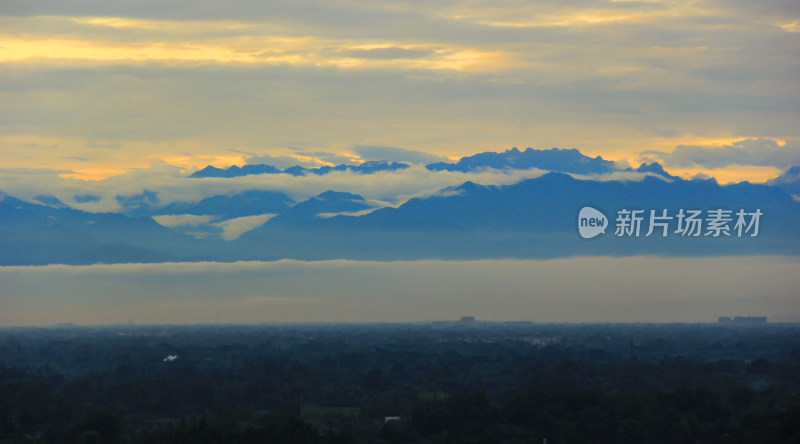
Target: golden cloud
(179,42)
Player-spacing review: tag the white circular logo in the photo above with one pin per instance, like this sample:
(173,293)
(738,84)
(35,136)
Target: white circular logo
(591,223)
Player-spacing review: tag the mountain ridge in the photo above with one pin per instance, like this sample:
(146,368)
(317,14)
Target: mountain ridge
(369,167)
(555,159)
(534,217)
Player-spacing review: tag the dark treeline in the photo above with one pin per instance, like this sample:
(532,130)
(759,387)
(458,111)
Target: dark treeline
(444,383)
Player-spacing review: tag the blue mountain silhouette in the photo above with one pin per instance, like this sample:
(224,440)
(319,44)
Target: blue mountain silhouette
(327,202)
(245,203)
(562,160)
(532,218)
(236,171)
(789,181)
(39,234)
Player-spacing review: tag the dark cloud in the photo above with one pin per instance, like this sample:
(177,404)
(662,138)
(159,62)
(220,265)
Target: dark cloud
(788,10)
(393,154)
(40,145)
(138,204)
(103,145)
(690,72)
(281,162)
(387,53)
(86,198)
(326,156)
(755,152)
(48,199)
(305,158)
(340,13)
(296,106)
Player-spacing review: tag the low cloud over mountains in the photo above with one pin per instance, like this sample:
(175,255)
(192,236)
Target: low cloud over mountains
(525,217)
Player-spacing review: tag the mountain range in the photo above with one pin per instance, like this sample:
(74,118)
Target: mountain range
(246,170)
(532,218)
(560,160)
(535,218)
(789,181)
(35,234)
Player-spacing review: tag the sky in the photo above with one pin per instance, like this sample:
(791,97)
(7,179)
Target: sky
(95,89)
(104,98)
